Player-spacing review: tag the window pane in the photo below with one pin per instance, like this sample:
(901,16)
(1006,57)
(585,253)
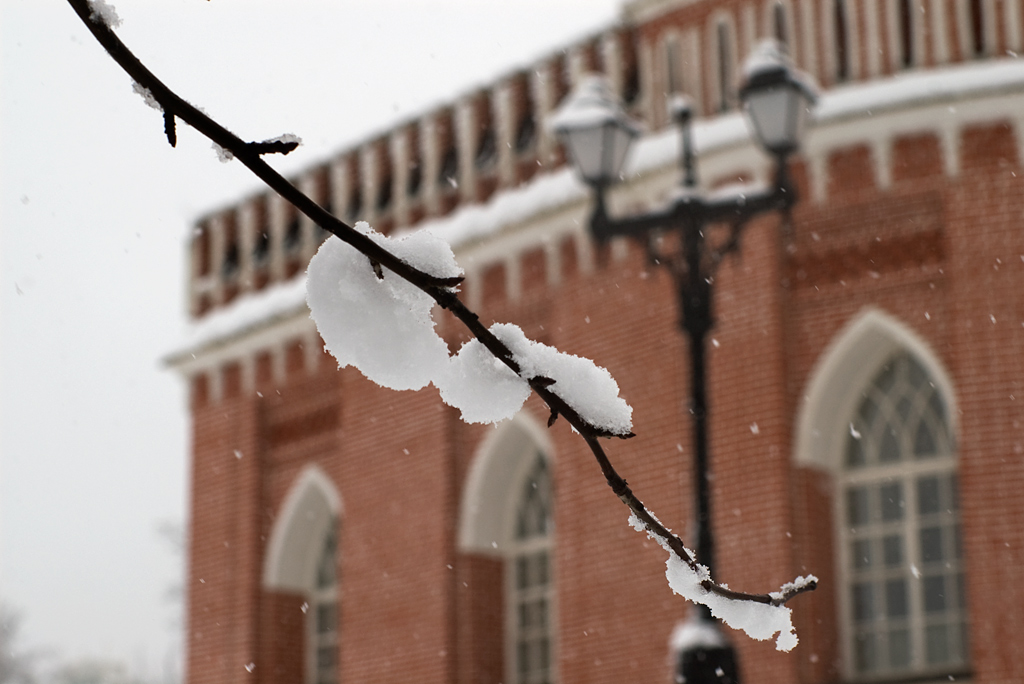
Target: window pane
(533,518)
(522,573)
(325,657)
(928,495)
(934,589)
(325,618)
(861,552)
(937,408)
(892,501)
(892,550)
(887,378)
(931,544)
(961,636)
(854,448)
(863,601)
(523,659)
(903,409)
(896,598)
(545,566)
(899,649)
(867,413)
(857,510)
(924,441)
(936,644)
(889,449)
(865,652)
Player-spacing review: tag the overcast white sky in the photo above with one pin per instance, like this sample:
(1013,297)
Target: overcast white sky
(94,210)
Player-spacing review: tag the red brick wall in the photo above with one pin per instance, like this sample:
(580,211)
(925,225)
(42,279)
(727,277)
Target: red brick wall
(942,255)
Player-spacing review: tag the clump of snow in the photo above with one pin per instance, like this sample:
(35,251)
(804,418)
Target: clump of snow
(143,91)
(224,155)
(104,12)
(799,583)
(487,391)
(421,249)
(382,326)
(481,386)
(760,621)
(286,138)
(588,388)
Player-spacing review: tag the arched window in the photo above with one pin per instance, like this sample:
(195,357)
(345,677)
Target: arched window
(322,612)
(506,531)
(529,586)
(300,570)
(899,530)
(841,42)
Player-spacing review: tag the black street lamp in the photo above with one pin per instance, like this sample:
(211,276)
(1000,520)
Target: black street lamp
(597,134)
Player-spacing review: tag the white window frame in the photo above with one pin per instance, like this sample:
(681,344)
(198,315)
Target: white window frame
(907,472)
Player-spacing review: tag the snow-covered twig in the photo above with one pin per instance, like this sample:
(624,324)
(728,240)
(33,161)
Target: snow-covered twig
(438,287)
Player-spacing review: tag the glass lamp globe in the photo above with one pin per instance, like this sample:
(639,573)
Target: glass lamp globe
(777,99)
(595,131)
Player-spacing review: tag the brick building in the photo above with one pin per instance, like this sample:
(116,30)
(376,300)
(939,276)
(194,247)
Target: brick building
(866,378)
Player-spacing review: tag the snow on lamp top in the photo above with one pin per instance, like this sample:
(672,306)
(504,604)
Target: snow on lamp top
(595,130)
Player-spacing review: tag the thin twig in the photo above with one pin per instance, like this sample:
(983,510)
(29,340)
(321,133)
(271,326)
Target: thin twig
(440,289)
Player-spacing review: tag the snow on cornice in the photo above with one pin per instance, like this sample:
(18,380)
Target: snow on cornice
(559,188)
(915,88)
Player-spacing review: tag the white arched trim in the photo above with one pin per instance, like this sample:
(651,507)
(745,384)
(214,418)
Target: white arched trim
(487,496)
(841,375)
(310,507)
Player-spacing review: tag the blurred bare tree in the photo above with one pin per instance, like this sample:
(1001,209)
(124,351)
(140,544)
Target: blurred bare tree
(16,666)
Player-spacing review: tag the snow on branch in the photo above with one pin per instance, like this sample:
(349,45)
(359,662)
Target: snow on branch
(371,297)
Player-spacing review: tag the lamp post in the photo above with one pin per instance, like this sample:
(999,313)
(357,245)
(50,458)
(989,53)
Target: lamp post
(597,135)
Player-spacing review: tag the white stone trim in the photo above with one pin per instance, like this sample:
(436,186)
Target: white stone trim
(808,35)
(273,337)
(747,32)
(873,35)
(940,32)
(844,369)
(1012,25)
(309,508)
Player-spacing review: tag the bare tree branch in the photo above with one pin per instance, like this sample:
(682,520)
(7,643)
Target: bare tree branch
(440,289)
